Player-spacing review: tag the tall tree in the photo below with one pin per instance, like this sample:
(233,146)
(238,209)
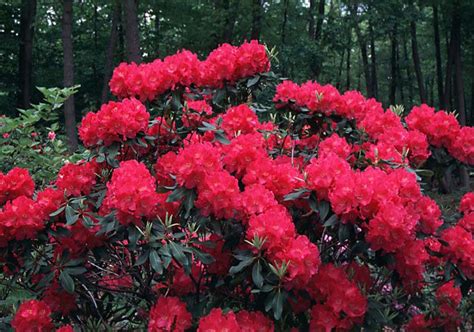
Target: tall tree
(68,66)
(363,49)
(109,59)
(408,70)
(319,20)
(393,65)
(416,61)
(459,83)
(439,71)
(132,34)
(25,63)
(156,11)
(373,61)
(257,16)
(348,61)
(311,22)
(284,21)
(230,11)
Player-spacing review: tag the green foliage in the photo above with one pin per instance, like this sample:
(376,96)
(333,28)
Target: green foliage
(33,140)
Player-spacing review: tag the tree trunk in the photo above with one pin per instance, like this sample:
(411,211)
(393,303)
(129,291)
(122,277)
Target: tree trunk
(416,62)
(311,19)
(109,60)
(231,8)
(319,21)
(409,73)
(399,76)
(393,66)
(348,62)
(373,64)
(459,83)
(285,19)
(439,70)
(471,122)
(363,51)
(25,63)
(257,13)
(132,35)
(339,72)
(68,63)
(156,10)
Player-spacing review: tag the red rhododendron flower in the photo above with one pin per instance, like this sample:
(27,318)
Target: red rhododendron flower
(459,247)
(77,179)
(15,183)
(217,321)
(303,259)
(253,321)
(274,225)
(114,122)
(33,315)
(65,328)
(322,173)
(59,300)
(391,228)
(334,144)
(132,192)
(467,203)
(20,220)
(169,314)
(194,162)
(218,194)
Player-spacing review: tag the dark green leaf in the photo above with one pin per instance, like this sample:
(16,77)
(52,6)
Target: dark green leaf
(220,137)
(156,262)
(323,209)
(176,195)
(58,211)
(257,276)
(242,265)
(66,282)
(74,271)
(331,221)
(71,215)
(344,232)
(252,81)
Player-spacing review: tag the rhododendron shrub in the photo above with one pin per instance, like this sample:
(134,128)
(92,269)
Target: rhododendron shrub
(202,206)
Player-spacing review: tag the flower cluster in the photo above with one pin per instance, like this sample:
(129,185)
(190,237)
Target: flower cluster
(243,321)
(33,315)
(169,314)
(390,139)
(443,130)
(131,192)
(77,179)
(15,183)
(226,64)
(114,122)
(339,302)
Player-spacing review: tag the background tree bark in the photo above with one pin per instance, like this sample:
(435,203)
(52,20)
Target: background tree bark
(373,63)
(416,62)
(439,70)
(132,34)
(257,14)
(311,22)
(393,65)
(406,61)
(25,56)
(284,21)
(109,60)
(68,66)
(319,20)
